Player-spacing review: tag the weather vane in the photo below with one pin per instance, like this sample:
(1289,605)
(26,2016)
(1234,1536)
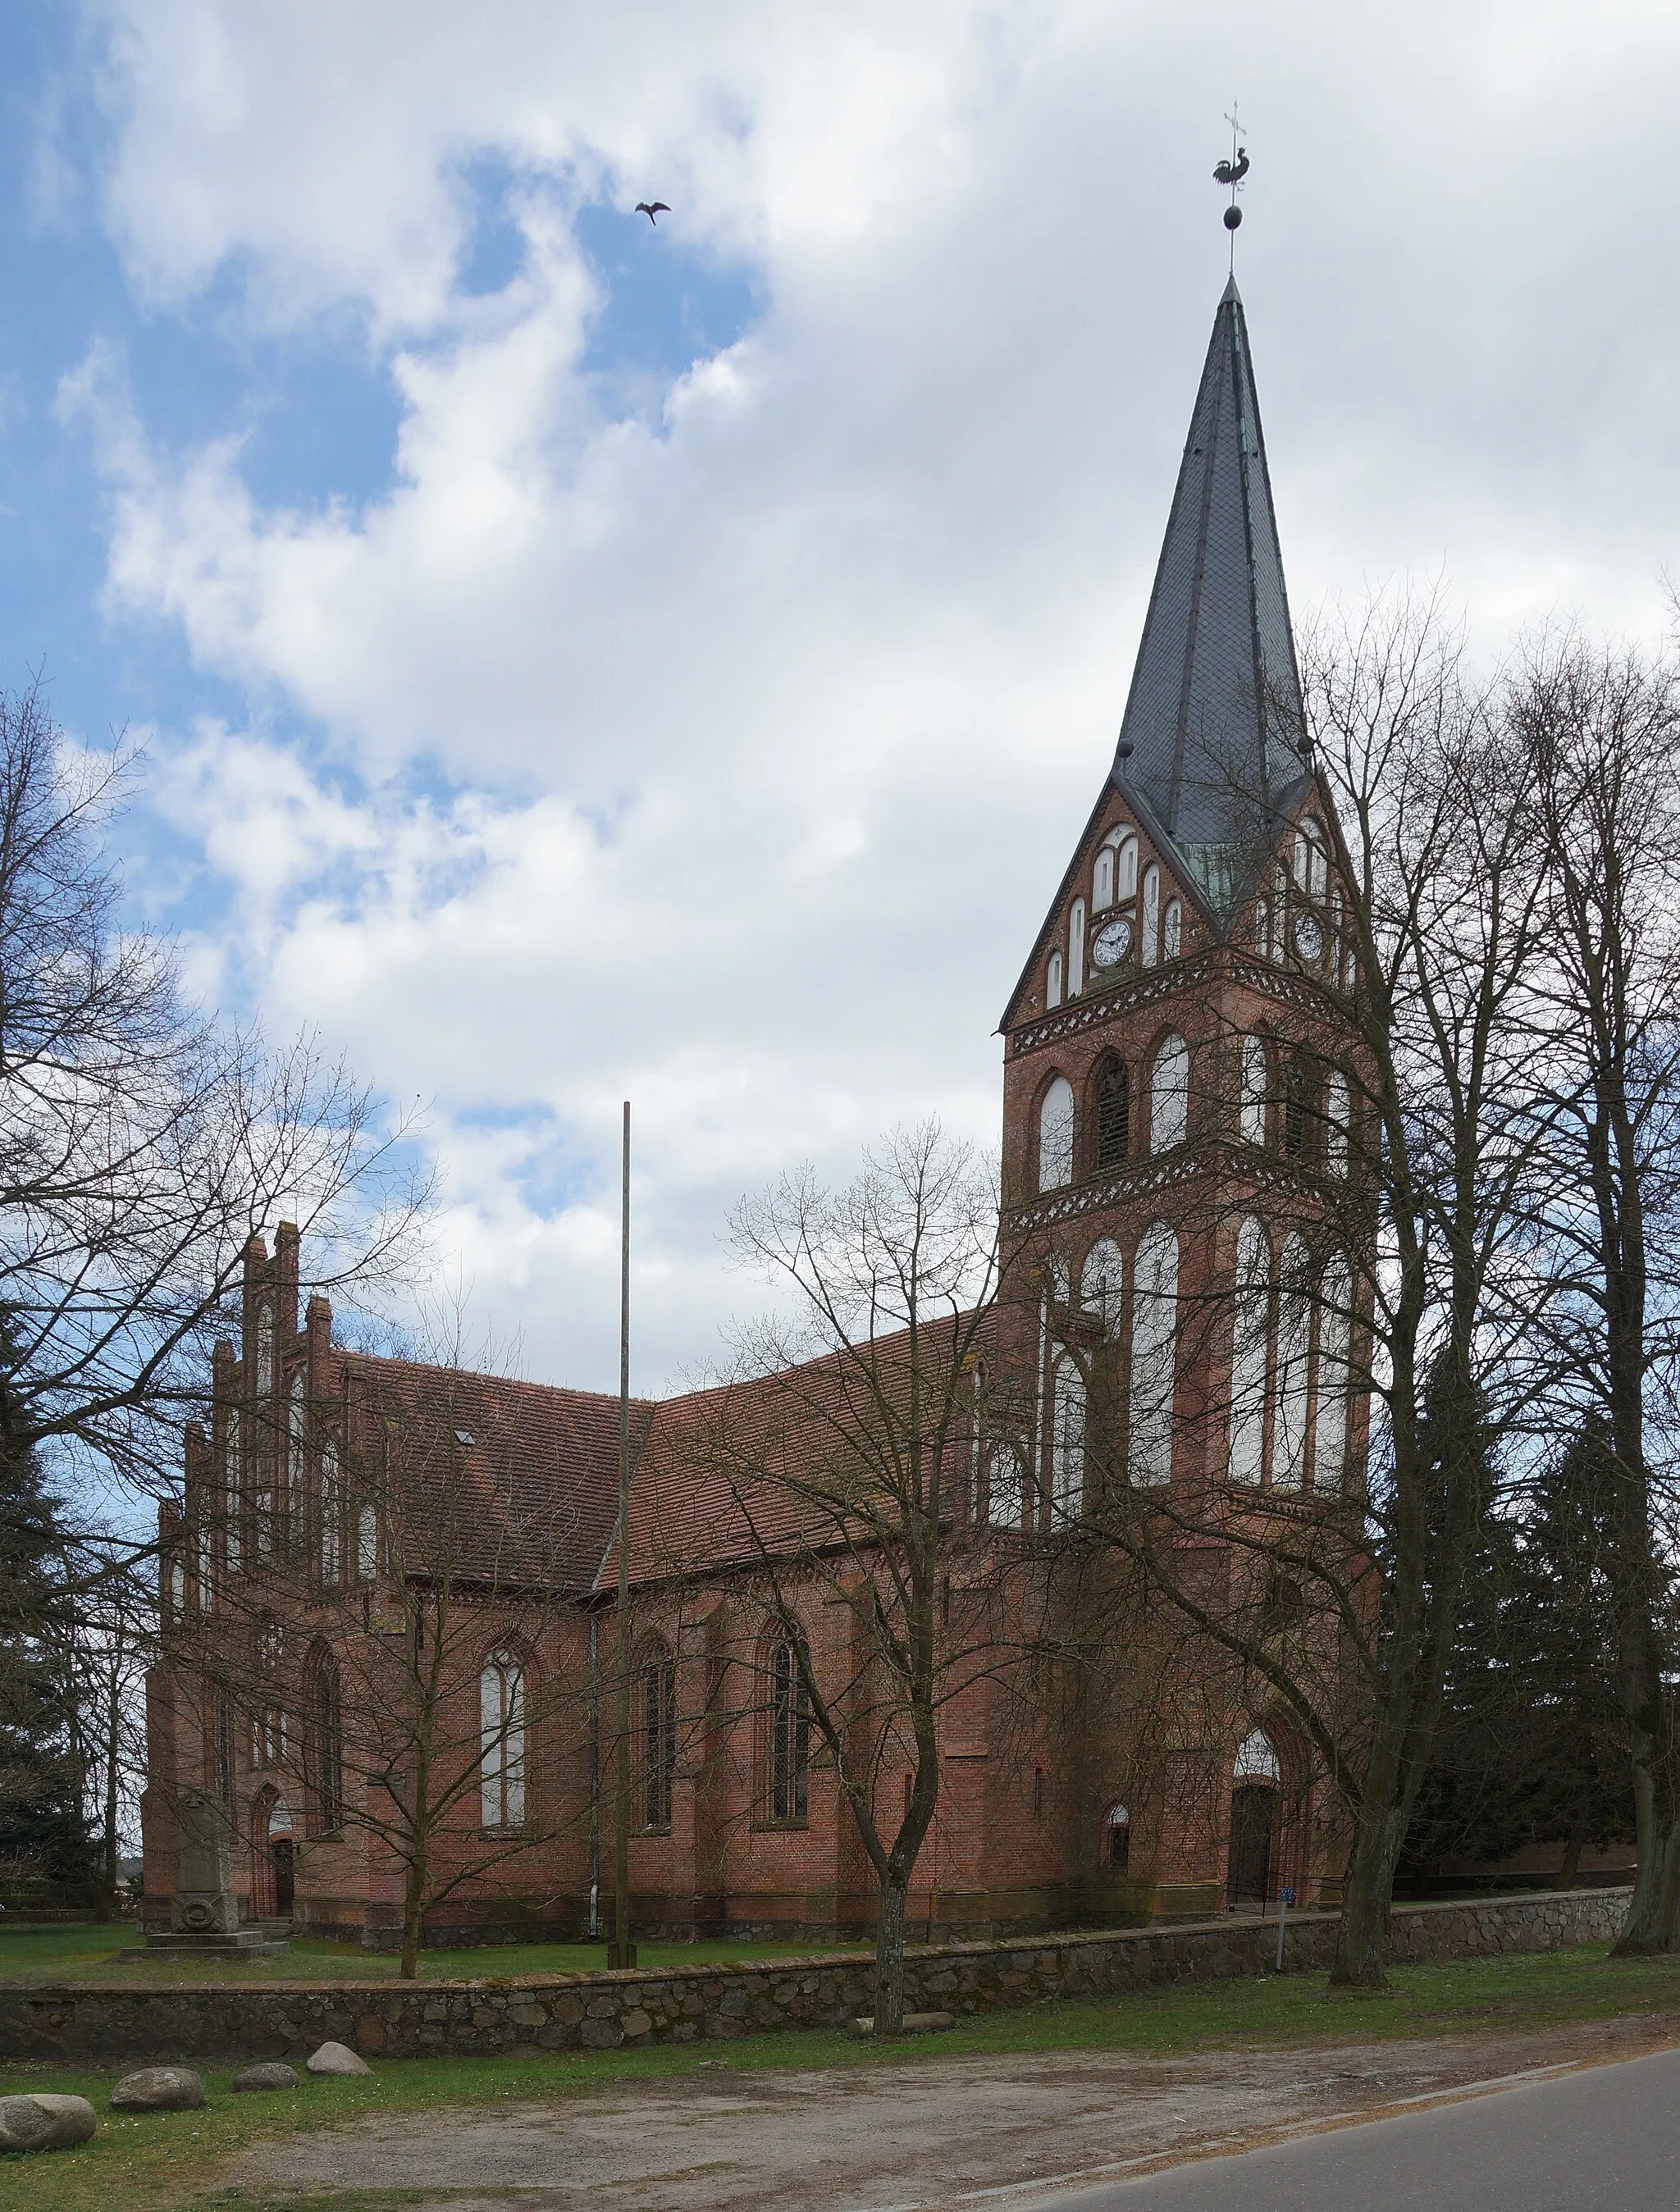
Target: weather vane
(1232,173)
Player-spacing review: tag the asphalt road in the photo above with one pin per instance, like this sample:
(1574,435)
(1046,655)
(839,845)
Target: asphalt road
(1606,2139)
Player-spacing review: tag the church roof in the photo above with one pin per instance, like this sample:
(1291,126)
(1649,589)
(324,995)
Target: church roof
(1209,744)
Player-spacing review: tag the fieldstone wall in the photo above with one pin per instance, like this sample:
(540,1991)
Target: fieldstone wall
(605,2011)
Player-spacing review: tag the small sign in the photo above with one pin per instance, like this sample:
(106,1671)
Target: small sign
(1287,1895)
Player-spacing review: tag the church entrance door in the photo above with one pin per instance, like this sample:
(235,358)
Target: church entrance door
(1253,1843)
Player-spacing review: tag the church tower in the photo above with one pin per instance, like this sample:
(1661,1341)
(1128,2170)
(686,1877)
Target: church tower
(1171,1095)
(1176,1126)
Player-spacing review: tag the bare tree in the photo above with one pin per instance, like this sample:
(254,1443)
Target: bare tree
(1600,728)
(1407,1116)
(141,1143)
(843,1449)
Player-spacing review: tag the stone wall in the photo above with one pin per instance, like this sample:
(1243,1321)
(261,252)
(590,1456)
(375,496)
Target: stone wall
(679,2004)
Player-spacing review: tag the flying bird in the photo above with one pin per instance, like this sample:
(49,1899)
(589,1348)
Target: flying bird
(654,209)
(1233,173)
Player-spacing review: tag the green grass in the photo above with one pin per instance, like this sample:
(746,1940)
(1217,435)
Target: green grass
(165,2161)
(113,1955)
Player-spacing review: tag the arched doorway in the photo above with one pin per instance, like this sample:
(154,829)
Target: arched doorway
(271,1858)
(1251,1860)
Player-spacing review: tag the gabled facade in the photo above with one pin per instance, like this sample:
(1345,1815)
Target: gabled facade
(1173,1096)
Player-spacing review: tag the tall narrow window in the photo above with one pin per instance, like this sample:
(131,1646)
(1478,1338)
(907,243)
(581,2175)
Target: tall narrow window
(789,1736)
(1152,915)
(235,1494)
(1253,1114)
(1296,1081)
(1067,1440)
(1330,1454)
(332,1516)
(1102,1284)
(1263,927)
(1053,982)
(1154,1354)
(1173,930)
(1279,911)
(1076,950)
(1005,1486)
(1336,1124)
(222,1751)
(1169,1094)
(265,1349)
(1248,1354)
(658,1738)
(1056,1135)
(291,1485)
(501,1742)
(1114,1112)
(326,1743)
(1117,1840)
(201,1560)
(1294,1331)
(1102,880)
(1125,869)
(367,1545)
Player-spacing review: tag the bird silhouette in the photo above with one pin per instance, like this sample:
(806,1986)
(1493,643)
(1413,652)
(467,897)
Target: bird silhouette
(1233,173)
(654,209)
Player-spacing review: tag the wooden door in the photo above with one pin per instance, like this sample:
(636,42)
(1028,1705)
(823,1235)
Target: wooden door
(1253,1843)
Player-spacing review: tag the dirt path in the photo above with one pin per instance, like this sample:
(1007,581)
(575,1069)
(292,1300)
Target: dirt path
(925,2134)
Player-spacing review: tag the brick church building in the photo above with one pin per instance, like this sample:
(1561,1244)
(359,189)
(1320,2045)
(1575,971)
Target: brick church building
(388,1579)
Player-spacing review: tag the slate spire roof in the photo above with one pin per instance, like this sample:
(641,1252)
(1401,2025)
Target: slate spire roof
(1209,743)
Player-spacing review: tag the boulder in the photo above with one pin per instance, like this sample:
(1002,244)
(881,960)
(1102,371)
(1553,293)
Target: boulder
(272,2073)
(159,2089)
(336,2058)
(43,2122)
(916,2023)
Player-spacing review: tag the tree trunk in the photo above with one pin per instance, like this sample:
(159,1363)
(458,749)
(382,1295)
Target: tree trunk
(1653,1924)
(1570,1870)
(1362,1935)
(890,1958)
(414,1906)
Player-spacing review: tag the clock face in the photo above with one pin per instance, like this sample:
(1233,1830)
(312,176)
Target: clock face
(1111,944)
(1309,937)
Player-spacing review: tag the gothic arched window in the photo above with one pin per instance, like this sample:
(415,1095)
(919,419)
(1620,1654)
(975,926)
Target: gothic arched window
(1125,869)
(1056,1135)
(1295,1338)
(367,1545)
(1252,1112)
(1053,980)
(332,1509)
(325,1742)
(658,1723)
(1169,1094)
(1076,950)
(1330,1454)
(235,1494)
(1102,880)
(1173,930)
(1152,915)
(1114,1112)
(790,1732)
(1154,1354)
(1102,1285)
(1297,1092)
(501,1742)
(1005,1486)
(1248,1354)
(1067,1440)
(1336,1124)
(1257,1759)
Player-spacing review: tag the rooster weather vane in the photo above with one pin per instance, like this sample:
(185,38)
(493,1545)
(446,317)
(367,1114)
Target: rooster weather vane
(1232,173)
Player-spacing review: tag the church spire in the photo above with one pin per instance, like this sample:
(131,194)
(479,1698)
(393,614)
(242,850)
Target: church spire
(1212,730)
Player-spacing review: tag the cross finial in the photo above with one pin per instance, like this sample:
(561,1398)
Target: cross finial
(1232,173)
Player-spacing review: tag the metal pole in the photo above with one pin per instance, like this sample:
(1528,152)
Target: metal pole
(624,1953)
(1286,1898)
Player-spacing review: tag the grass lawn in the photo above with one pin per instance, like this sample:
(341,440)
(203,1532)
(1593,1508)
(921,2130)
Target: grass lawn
(158,2162)
(86,1954)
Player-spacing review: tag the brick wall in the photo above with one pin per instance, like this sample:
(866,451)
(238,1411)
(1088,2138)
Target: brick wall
(682,2005)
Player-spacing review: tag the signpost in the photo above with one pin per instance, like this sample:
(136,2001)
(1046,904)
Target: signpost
(1286,1898)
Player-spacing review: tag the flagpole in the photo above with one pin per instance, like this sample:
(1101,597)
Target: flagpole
(622,1951)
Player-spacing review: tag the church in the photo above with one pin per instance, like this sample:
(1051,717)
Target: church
(390,1596)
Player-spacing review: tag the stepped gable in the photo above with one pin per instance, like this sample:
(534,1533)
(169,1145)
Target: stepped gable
(1209,749)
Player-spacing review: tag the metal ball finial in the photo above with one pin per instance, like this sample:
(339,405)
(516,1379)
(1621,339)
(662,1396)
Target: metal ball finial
(1234,216)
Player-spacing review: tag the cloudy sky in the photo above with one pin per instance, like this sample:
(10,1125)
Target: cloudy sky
(577,661)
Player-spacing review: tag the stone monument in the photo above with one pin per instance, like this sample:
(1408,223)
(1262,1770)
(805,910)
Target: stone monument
(204,1912)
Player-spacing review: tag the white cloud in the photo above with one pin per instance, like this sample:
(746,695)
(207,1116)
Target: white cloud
(763,723)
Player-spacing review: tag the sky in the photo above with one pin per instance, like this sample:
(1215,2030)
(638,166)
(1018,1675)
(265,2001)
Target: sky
(578,659)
